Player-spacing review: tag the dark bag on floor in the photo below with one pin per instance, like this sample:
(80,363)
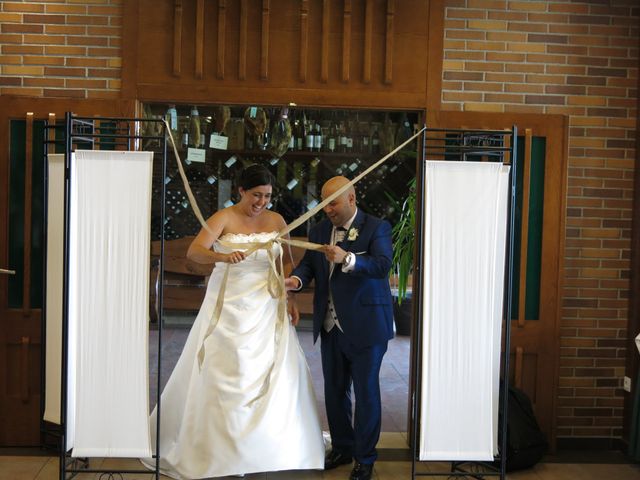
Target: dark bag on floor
(526,444)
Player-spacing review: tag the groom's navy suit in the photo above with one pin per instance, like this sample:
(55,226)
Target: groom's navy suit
(362,301)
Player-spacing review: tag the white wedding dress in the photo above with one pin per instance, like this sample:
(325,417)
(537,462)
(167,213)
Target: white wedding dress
(250,406)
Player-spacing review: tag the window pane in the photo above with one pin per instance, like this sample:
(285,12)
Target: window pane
(534,235)
(16,211)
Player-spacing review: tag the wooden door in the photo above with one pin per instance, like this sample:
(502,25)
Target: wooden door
(538,256)
(22,249)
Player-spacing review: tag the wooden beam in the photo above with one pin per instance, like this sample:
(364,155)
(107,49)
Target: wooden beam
(388,53)
(524,229)
(199,38)
(242,53)
(28,190)
(304,39)
(264,51)
(368,41)
(324,61)
(177,37)
(51,134)
(222,22)
(346,40)
(130,37)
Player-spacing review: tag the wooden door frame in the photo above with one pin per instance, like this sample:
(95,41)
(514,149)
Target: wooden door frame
(632,364)
(15,108)
(556,130)
(16,324)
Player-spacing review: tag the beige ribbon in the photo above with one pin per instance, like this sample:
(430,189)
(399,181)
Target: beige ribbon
(275,287)
(275,280)
(303,218)
(8,272)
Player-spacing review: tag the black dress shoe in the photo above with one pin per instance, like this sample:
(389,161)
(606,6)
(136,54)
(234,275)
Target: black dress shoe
(362,471)
(335,459)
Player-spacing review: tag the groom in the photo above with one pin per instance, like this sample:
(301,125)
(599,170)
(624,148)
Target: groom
(353,315)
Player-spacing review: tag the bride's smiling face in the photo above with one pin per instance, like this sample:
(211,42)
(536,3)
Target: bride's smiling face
(256,199)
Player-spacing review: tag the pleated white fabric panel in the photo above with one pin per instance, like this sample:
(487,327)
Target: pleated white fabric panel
(108,304)
(464,236)
(55,254)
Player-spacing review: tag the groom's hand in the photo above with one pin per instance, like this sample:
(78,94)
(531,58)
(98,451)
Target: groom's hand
(291,283)
(334,253)
(292,310)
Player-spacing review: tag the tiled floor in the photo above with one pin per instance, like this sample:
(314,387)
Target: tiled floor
(46,468)
(394,461)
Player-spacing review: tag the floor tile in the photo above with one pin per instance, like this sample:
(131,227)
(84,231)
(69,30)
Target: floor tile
(12,468)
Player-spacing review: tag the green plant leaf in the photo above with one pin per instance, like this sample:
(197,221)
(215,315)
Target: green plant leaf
(403,233)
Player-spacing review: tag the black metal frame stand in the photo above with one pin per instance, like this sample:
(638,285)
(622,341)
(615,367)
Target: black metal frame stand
(100,133)
(465,145)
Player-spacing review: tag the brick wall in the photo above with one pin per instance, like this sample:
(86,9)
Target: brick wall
(61,48)
(578,58)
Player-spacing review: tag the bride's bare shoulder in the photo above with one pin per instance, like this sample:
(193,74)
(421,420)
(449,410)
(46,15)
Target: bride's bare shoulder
(275,220)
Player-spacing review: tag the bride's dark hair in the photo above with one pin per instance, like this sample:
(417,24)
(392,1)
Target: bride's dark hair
(256,175)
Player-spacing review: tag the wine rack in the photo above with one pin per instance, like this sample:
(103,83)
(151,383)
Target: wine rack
(350,141)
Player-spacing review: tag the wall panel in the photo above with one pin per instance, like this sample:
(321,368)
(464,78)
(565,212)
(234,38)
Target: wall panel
(255,51)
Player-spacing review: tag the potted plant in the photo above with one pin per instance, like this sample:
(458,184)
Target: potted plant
(403,233)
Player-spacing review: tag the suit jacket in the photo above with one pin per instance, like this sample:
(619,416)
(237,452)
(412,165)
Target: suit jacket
(362,297)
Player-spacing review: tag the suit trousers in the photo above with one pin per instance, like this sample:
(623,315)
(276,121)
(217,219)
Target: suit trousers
(344,365)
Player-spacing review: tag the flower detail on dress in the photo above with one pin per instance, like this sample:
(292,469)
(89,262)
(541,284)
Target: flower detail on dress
(352,234)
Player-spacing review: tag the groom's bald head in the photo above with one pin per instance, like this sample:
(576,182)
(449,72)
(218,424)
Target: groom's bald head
(343,207)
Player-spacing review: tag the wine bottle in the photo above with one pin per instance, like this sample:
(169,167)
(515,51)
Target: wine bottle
(292,141)
(172,119)
(343,137)
(194,127)
(185,137)
(299,133)
(331,142)
(404,132)
(375,141)
(366,144)
(317,138)
(309,136)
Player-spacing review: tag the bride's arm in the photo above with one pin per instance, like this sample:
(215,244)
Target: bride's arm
(287,256)
(200,249)
(288,266)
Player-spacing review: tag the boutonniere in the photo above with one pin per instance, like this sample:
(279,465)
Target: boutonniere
(352,234)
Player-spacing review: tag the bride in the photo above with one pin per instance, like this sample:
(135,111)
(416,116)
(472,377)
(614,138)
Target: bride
(240,398)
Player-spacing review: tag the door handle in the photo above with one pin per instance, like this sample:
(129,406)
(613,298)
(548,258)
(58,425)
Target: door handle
(8,272)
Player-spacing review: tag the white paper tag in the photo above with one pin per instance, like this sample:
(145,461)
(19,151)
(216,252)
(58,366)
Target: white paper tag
(174,119)
(218,141)
(230,161)
(196,155)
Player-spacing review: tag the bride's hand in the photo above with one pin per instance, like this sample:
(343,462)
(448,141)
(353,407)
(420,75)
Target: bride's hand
(235,257)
